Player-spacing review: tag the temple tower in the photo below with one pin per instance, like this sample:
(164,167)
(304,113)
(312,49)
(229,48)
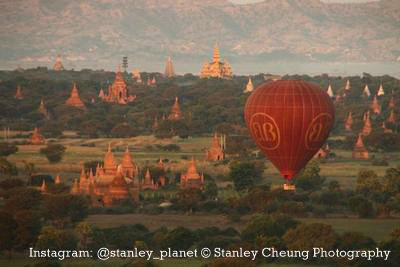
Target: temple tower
(58,65)
(249,86)
(349,122)
(18,94)
(359,151)
(381,92)
(176,113)
(366,91)
(74,100)
(192,179)
(216,152)
(36,138)
(367,129)
(110,166)
(347,87)
(128,165)
(329,91)
(392,117)
(169,68)
(375,106)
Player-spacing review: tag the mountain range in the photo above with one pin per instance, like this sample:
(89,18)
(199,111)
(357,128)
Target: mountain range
(98,33)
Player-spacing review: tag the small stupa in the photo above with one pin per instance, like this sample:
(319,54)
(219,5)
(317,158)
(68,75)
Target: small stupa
(36,138)
(176,113)
(366,91)
(375,106)
(58,65)
(18,94)
(367,129)
(381,92)
(329,91)
(347,87)
(349,122)
(169,68)
(74,100)
(359,151)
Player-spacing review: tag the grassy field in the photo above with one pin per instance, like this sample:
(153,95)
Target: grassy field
(378,229)
(344,169)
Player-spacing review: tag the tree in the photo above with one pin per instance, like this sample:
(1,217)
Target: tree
(123,130)
(7,149)
(179,238)
(368,183)
(362,206)
(11,183)
(22,198)
(392,180)
(53,153)
(7,168)
(245,174)
(8,227)
(211,189)
(309,178)
(355,241)
(309,236)
(28,228)
(189,198)
(55,239)
(84,230)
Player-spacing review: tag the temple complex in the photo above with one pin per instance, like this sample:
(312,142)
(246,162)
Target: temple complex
(36,138)
(381,92)
(359,151)
(367,129)
(18,94)
(58,65)
(216,68)
(74,100)
(169,68)
(366,91)
(111,183)
(43,110)
(375,106)
(392,117)
(329,91)
(349,122)
(176,113)
(192,179)
(216,152)
(117,92)
(249,86)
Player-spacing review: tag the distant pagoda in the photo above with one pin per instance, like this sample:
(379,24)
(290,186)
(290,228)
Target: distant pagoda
(216,68)
(366,91)
(118,92)
(191,178)
(36,138)
(392,103)
(176,113)
(249,86)
(74,100)
(169,68)
(381,92)
(58,65)
(147,182)
(392,117)
(348,86)
(359,151)
(216,152)
(367,129)
(329,91)
(375,106)
(18,94)
(349,122)
(58,180)
(43,110)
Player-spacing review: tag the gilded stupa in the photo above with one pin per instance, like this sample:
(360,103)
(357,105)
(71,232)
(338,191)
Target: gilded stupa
(176,113)
(192,179)
(359,151)
(169,68)
(74,100)
(216,68)
(249,86)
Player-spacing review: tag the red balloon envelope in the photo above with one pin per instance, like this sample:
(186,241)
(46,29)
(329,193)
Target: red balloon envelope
(290,121)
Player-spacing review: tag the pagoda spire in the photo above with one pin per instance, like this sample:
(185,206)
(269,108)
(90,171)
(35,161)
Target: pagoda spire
(110,165)
(176,113)
(366,91)
(381,92)
(392,117)
(249,86)
(216,56)
(58,180)
(75,187)
(329,91)
(367,127)
(347,87)
(349,122)
(18,94)
(375,106)
(169,68)
(74,100)
(43,187)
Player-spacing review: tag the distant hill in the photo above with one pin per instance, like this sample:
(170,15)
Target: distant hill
(103,30)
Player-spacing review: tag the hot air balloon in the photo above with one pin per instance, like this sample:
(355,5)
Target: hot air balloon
(289,120)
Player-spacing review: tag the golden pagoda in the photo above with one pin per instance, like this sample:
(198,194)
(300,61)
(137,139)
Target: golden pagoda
(381,92)
(176,113)
(43,187)
(375,106)
(347,87)
(367,129)
(110,166)
(216,152)
(118,92)
(147,182)
(366,91)
(74,100)
(36,138)
(349,122)
(192,179)
(249,86)
(169,68)
(216,68)
(359,151)
(128,165)
(18,94)
(58,65)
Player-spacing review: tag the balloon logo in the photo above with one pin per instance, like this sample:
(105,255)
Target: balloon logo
(265,131)
(289,121)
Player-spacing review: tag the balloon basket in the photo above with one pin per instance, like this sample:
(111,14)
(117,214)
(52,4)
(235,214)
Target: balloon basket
(289,187)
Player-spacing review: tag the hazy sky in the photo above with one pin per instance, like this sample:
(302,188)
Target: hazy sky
(332,1)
